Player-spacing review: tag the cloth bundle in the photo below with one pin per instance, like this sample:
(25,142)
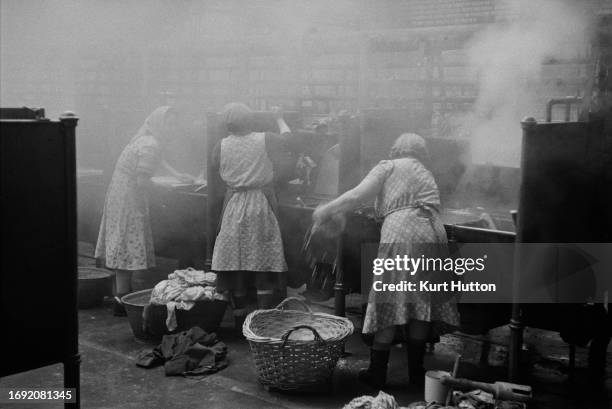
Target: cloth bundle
(476,399)
(192,353)
(181,290)
(381,401)
(425,405)
(191,276)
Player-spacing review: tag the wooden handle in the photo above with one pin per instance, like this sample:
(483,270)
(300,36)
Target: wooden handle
(466,384)
(449,395)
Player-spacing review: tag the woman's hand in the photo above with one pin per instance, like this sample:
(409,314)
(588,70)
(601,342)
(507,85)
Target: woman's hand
(283,128)
(320,216)
(185,178)
(180,176)
(277,112)
(200,179)
(328,223)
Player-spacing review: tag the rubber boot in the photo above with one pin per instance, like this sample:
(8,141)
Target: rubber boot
(416,357)
(266,301)
(597,360)
(240,312)
(376,374)
(118,307)
(123,286)
(239,321)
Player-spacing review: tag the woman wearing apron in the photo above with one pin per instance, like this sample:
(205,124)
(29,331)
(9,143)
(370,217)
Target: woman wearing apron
(248,251)
(125,241)
(407,198)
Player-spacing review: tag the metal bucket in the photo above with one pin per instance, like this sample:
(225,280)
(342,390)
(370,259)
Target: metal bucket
(204,314)
(134,304)
(93,286)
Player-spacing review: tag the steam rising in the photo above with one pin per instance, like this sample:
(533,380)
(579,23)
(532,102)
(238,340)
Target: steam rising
(124,36)
(507,61)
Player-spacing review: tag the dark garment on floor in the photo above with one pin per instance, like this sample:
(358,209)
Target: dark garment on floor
(189,353)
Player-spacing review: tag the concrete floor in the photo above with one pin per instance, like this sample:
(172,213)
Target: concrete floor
(110,378)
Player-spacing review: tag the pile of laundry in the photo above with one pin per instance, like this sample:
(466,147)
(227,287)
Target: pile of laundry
(476,399)
(193,353)
(181,291)
(381,401)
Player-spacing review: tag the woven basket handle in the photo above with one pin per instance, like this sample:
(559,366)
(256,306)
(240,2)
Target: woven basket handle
(317,339)
(301,303)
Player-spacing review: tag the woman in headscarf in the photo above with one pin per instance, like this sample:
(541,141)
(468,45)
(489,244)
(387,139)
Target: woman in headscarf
(125,241)
(408,199)
(248,251)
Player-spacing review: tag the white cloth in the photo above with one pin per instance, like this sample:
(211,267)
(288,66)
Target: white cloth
(181,291)
(381,401)
(190,276)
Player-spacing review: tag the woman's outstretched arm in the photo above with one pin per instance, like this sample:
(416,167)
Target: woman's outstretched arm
(348,201)
(283,128)
(183,177)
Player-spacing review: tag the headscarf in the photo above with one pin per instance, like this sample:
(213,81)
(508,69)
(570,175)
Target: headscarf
(237,117)
(154,124)
(410,145)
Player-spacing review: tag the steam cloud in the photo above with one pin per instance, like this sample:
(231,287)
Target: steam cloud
(506,59)
(507,62)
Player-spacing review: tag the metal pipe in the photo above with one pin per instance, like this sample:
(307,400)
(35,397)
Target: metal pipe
(516,324)
(567,101)
(344,164)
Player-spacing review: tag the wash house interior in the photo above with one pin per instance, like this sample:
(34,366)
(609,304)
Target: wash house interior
(207,185)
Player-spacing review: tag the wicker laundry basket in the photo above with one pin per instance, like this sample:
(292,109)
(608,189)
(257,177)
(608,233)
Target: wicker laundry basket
(295,349)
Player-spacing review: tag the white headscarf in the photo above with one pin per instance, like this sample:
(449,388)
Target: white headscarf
(237,116)
(410,144)
(154,124)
